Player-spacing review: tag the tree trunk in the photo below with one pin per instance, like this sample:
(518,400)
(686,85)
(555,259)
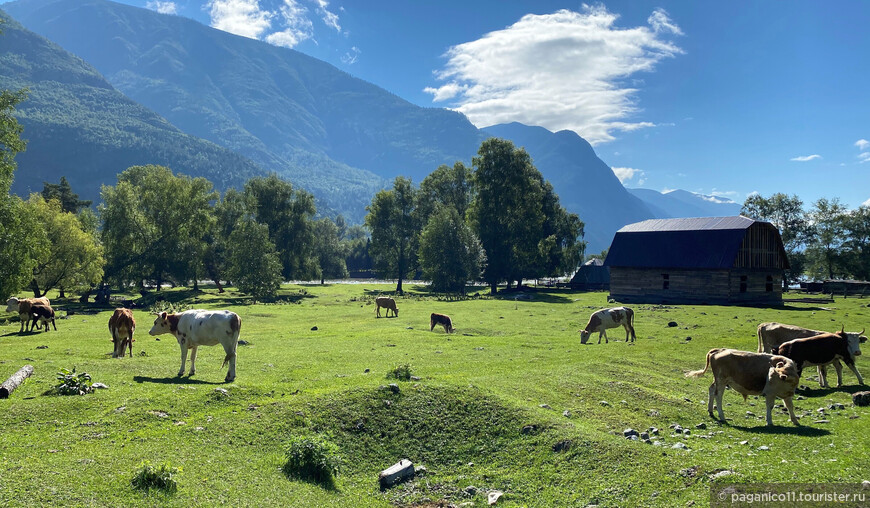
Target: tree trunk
(399,287)
(15,381)
(321,280)
(35,287)
(493,288)
(61,295)
(195,284)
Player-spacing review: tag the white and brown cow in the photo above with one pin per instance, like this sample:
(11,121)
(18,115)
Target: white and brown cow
(22,307)
(773,335)
(750,374)
(440,319)
(387,303)
(121,326)
(194,328)
(604,319)
(823,350)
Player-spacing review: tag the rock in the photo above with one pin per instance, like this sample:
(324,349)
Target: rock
(99,386)
(471,490)
(493,497)
(821,421)
(686,432)
(672,324)
(837,406)
(744,442)
(398,472)
(763,448)
(367,371)
(222,391)
(544,406)
(566,413)
(420,470)
(861,398)
(750,414)
(530,429)
(415,378)
(562,446)
(647,441)
(313,328)
(654,431)
(604,403)
(658,443)
(688,339)
(701,426)
(680,446)
(630,432)
(644,436)
(690,472)
(41,347)
(721,474)
(394,387)
(243,342)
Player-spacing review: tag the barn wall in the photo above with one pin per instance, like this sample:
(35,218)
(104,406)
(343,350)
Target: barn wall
(711,286)
(761,249)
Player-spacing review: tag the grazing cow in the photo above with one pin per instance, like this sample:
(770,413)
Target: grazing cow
(194,328)
(750,374)
(121,326)
(440,319)
(825,349)
(603,319)
(22,307)
(42,314)
(387,303)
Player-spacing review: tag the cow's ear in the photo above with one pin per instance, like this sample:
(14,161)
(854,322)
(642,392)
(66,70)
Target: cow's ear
(780,365)
(842,329)
(163,315)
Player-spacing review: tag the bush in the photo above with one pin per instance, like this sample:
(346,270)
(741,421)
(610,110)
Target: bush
(72,383)
(401,372)
(162,477)
(312,457)
(168,307)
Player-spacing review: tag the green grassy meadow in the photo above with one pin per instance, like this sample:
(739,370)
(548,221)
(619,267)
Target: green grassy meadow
(514,362)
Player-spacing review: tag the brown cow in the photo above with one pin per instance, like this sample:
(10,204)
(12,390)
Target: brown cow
(121,326)
(603,319)
(823,350)
(41,314)
(751,374)
(387,303)
(22,307)
(440,319)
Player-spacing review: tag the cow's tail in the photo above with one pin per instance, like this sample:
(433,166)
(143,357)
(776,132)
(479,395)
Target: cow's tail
(699,373)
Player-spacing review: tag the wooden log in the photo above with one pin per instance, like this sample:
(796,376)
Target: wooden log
(15,381)
(396,473)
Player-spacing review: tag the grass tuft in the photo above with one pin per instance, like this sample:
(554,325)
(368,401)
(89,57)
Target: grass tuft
(400,372)
(312,457)
(162,477)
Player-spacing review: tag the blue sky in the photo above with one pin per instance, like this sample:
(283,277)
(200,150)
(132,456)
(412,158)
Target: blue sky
(724,98)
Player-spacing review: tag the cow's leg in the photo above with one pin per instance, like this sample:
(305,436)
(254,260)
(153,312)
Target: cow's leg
(720,391)
(711,396)
(183,359)
(788,404)
(231,357)
(25,320)
(603,333)
(54,324)
(839,368)
(823,375)
(769,400)
(193,360)
(851,365)
(114,345)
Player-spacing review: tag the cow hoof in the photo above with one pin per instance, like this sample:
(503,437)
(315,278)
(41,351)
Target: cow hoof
(181,374)
(191,373)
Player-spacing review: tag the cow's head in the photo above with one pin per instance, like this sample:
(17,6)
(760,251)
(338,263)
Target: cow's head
(163,324)
(855,340)
(12,304)
(786,373)
(584,336)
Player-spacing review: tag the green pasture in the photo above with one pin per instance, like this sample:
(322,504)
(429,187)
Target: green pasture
(515,361)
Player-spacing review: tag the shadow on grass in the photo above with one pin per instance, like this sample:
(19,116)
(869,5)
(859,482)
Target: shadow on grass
(782,430)
(821,392)
(175,380)
(326,484)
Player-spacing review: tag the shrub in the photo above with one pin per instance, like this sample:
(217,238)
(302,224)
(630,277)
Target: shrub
(162,477)
(72,383)
(169,307)
(312,457)
(401,372)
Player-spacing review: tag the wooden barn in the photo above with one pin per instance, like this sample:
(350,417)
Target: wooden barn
(708,260)
(591,276)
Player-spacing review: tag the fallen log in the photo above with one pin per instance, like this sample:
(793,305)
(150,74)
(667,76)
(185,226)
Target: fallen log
(15,381)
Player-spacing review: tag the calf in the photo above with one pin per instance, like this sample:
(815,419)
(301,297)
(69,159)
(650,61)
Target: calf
(750,374)
(121,326)
(194,328)
(42,314)
(603,319)
(387,303)
(440,319)
(825,349)
(22,307)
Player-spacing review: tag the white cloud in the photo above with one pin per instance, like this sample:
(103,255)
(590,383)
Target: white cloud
(351,56)
(329,18)
(862,144)
(297,26)
(805,158)
(163,7)
(866,203)
(241,17)
(625,174)
(565,70)
(864,157)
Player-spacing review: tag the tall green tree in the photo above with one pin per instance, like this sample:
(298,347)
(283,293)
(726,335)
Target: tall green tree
(253,264)
(561,248)
(63,193)
(227,212)
(74,257)
(828,219)
(788,215)
(395,230)
(857,245)
(155,224)
(330,250)
(506,213)
(22,242)
(450,186)
(450,253)
(289,215)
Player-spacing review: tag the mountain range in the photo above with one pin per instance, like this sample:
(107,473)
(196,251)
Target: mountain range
(148,87)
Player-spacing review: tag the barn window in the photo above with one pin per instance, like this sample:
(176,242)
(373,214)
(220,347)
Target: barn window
(769,285)
(666,282)
(742,283)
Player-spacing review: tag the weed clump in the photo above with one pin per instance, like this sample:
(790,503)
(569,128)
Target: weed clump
(400,372)
(162,477)
(72,383)
(312,457)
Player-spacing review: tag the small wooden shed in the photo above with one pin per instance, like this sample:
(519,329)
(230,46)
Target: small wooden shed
(707,260)
(591,276)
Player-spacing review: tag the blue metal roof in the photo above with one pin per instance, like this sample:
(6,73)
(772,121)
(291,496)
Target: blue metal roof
(689,224)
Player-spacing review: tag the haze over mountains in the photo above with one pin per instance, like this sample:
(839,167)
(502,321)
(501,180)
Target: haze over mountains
(271,109)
